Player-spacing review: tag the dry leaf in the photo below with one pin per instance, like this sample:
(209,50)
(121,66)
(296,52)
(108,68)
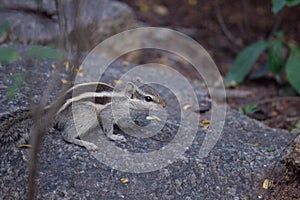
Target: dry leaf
(64,81)
(187,106)
(205,121)
(274,113)
(144,7)
(24,145)
(152,118)
(66,65)
(124,180)
(118,81)
(267,184)
(125,63)
(257,145)
(161,10)
(206,126)
(79,71)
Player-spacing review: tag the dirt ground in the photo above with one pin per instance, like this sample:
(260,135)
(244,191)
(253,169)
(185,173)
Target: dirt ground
(223,28)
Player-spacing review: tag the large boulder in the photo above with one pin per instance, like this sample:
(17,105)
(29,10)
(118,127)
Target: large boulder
(33,23)
(234,169)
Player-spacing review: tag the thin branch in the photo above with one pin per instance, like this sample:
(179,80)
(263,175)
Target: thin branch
(276,24)
(288,98)
(42,119)
(224,28)
(246,16)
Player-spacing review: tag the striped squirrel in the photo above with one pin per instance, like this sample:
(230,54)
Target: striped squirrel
(92,104)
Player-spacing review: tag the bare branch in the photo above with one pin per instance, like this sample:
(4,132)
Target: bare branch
(224,28)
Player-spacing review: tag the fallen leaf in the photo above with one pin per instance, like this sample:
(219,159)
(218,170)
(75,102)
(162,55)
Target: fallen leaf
(152,118)
(206,126)
(205,121)
(125,63)
(187,106)
(66,65)
(274,113)
(24,145)
(144,8)
(124,180)
(64,81)
(118,81)
(161,10)
(267,183)
(79,71)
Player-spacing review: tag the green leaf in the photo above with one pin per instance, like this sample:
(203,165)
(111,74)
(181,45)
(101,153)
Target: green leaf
(39,52)
(292,2)
(293,68)
(8,55)
(3,28)
(17,83)
(260,72)
(272,149)
(249,109)
(275,56)
(296,127)
(241,110)
(244,61)
(277,5)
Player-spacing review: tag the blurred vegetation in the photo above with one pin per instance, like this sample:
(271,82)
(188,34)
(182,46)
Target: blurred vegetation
(283,59)
(10,55)
(249,109)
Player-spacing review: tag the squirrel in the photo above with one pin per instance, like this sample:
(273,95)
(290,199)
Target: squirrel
(87,105)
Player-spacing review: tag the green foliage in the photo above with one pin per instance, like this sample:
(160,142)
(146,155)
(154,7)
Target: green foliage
(278,5)
(272,149)
(293,68)
(44,53)
(278,64)
(275,57)
(8,55)
(249,109)
(17,83)
(244,62)
(296,127)
(3,28)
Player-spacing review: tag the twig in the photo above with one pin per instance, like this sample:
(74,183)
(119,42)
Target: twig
(289,98)
(224,28)
(246,16)
(41,119)
(276,25)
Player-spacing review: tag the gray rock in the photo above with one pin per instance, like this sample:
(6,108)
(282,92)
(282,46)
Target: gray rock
(234,169)
(31,23)
(293,155)
(42,6)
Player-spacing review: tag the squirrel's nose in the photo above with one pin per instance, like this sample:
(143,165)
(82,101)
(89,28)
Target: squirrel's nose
(163,104)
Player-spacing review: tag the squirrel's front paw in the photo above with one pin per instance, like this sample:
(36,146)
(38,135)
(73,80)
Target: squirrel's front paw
(92,147)
(116,137)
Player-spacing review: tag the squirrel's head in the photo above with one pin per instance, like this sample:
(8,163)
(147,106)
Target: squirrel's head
(143,97)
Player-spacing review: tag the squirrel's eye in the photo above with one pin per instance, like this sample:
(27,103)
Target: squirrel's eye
(148,98)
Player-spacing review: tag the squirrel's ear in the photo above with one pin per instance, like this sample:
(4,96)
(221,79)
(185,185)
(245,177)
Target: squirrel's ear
(130,90)
(138,81)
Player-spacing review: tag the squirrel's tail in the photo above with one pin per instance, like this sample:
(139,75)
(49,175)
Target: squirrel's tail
(15,128)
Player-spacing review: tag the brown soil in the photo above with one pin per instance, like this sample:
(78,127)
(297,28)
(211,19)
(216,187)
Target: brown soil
(243,22)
